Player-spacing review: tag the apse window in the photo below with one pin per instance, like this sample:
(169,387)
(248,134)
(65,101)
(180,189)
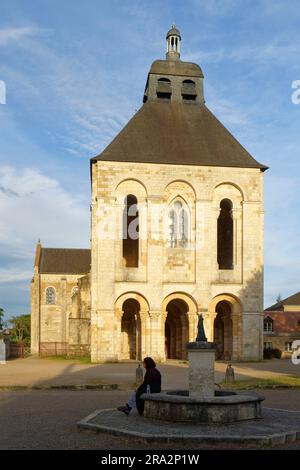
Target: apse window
(178,224)
(50,296)
(225,235)
(131,232)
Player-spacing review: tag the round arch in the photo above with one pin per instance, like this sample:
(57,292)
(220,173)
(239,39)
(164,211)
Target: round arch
(234,301)
(186,190)
(127,185)
(228,183)
(188,299)
(144,305)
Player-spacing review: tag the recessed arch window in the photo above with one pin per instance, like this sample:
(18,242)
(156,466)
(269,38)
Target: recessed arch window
(131,232)
(164,89)
(50,296)
(178,225)
(188,90)
(225,235)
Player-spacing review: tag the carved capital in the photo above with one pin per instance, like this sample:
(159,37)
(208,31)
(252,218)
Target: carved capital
(155,314)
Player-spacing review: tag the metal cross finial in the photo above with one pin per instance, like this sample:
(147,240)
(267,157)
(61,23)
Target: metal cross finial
(201,333)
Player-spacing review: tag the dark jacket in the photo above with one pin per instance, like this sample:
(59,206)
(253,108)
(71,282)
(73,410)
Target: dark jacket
(152,378)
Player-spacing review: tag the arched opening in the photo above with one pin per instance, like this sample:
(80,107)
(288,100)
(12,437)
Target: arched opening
(176,329)
(225,235)
(164,89)
(223,330)
(131,330)
(188,90)
(131,232)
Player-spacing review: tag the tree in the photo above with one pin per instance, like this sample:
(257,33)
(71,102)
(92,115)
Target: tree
(278,298)
(1,318)
(20,329)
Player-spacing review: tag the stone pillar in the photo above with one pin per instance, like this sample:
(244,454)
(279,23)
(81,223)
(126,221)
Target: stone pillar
(157,335)
(118,324)
(201,357)
(143,333)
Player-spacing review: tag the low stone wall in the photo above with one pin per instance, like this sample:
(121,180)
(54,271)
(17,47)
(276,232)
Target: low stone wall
(225,407)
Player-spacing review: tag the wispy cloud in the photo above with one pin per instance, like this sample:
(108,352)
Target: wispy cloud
(13,35)
(275,50)
(44,210)
(11,276)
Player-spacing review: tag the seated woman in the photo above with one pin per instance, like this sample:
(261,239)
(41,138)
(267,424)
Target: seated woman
(151,384)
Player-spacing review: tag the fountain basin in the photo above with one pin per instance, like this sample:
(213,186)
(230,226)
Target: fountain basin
(224,407)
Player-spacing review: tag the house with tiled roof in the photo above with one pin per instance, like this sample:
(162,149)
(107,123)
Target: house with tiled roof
(282,325)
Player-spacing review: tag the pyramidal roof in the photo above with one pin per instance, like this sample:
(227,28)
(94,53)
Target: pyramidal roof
(174,126)
(177,134)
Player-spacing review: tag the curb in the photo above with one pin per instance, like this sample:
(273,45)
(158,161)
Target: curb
(99,387)
(269,440)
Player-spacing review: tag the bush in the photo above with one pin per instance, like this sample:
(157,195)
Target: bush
(272,353)
(277,353)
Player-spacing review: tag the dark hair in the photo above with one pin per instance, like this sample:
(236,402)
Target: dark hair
(149,363)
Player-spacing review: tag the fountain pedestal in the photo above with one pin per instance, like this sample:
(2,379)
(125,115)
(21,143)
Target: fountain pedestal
(201,403)
(201,355)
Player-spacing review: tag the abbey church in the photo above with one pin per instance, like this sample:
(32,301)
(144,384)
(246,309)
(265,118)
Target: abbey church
(177,227)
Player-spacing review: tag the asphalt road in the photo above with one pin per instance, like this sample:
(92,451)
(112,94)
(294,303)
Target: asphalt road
(47,419)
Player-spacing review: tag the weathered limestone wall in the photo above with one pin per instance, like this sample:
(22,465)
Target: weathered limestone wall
(162,272)
(80,319)
(50,322)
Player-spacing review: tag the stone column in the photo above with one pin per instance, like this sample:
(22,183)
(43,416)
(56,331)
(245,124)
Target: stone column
(201,357)
(118,344)
(143,333)
(156,335)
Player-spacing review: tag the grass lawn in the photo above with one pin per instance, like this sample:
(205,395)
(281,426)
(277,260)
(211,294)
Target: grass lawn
(286,381)
(78,360)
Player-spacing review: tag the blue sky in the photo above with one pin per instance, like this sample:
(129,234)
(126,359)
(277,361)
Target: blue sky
(75,73)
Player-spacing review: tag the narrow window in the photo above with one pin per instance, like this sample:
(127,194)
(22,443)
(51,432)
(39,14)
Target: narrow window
(164,90)
(74,290)
(178,226)
(50,296)
(131,232)
(188,90)
(225,235)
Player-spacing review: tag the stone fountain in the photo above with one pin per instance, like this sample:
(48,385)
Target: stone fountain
(202,403)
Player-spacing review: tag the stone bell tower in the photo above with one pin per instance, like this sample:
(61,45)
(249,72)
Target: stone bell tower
(196,196)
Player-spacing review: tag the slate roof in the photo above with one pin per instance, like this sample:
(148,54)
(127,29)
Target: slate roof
(177,133)
(292,300)
(65,261)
